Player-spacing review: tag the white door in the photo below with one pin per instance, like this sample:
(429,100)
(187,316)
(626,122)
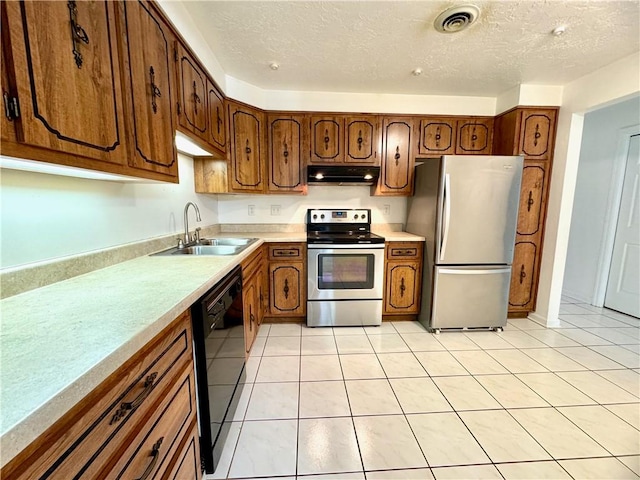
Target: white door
(623,287)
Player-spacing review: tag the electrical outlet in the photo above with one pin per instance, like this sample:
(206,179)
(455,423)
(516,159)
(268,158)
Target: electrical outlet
(275,210)
(251,210)
(386,209)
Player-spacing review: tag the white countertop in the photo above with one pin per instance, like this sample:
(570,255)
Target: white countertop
(57,343)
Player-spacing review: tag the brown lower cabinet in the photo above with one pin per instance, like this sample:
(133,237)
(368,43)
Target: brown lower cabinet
(133,425)
(403,279)
(287,281)
(254,295)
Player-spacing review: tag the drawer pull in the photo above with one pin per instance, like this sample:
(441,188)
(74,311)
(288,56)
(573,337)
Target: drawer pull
(285,253)
(126,406)
(155,453)
(408,252)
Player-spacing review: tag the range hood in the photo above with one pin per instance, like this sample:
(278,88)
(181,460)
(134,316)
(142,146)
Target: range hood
(342,175)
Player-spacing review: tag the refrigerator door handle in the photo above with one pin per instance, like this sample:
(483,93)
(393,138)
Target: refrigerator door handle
(484,271)
(446,217)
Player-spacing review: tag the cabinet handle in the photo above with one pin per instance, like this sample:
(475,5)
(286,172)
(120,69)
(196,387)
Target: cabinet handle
(530,201)
(78,34)
(438,136)
(155,91)
(360,140)
(402,287)
(126,406)
(155,454)
(523,274)
(218,119)
(196,98)
(251,319)
(285,153)
(397,155)
(474,137)
(536,135)
(326,139)
(286,288)
(247,150)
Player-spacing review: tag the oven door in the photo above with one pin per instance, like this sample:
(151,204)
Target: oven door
(345,272)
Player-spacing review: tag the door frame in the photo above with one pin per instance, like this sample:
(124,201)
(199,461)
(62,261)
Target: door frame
(612,212)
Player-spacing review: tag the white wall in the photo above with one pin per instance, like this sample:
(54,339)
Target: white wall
(50,216)
(293,208)
(593,188)
(618,80)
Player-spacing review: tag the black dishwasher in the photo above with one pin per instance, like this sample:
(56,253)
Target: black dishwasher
(218,338)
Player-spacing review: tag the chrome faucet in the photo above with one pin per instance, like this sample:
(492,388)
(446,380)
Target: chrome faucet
(188,240)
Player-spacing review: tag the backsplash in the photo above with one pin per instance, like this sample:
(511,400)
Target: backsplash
(291,209)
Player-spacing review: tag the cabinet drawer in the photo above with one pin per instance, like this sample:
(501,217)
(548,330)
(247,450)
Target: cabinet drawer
(187,462)
(397,250)
(87,438)
(149,454)
(287,251)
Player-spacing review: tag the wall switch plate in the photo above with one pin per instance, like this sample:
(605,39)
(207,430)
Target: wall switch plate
(275,210)
(251,210)
(386,209)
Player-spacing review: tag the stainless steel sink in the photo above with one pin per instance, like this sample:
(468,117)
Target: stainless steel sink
(234,242)
(212,246)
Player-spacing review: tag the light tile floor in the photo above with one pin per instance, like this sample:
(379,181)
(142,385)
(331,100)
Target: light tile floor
(397,402)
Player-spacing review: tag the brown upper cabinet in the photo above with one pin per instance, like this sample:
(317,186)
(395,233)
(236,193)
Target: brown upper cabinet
(475,136)
(192,106)
(327,139)
(437,136)
(362,140)
(65,76)
(287,145)
(526,131)
(247,155)
(398,157)
(147,53)
(217,118)
(91,85)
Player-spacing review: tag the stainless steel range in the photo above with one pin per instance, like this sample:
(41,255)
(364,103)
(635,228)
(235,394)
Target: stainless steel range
(346,269)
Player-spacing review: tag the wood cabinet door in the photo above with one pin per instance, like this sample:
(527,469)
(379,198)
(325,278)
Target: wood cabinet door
(437,136)
(186,464)
(247,152)
(523,276)
(396,171)
(147,43)
(287,295)
(326,139)
(532,198)
(362,139)
(217,123)
(65,66)
(250,311)
(286,152)
(537,131)
(475,136)
(402,288)
(192,82)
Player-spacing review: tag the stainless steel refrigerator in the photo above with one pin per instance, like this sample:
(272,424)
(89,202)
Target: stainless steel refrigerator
(466,206)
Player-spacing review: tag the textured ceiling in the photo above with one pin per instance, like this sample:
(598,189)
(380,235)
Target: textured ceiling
(372,46)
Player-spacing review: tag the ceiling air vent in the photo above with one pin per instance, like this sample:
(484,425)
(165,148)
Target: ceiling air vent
(456,19)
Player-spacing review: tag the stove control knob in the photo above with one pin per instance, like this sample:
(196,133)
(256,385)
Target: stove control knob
(315,216)
(363,216)
(322,216)
(355,217)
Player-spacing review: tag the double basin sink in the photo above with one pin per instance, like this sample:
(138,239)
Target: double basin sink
(212,246)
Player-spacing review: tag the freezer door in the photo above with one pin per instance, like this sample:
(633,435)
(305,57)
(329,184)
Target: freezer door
(477,209)
(470,296)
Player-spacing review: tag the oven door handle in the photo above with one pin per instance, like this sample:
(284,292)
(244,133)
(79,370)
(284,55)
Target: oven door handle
(344,246)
